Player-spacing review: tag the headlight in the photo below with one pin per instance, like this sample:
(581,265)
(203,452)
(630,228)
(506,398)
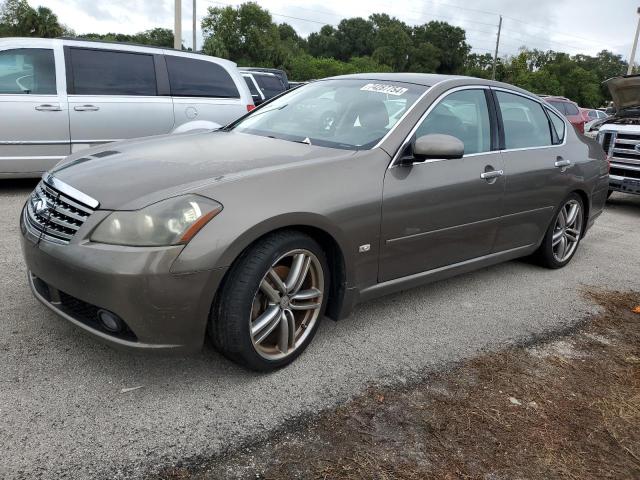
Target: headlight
(169,222)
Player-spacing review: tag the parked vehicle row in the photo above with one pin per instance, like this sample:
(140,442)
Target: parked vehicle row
(60,96)
(333,193)
(619,134)
(568,108)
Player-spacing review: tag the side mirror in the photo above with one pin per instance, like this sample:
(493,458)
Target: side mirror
(437,146)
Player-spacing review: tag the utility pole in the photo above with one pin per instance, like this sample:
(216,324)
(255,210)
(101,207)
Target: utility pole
(194,26)
(177,28)
(495,55)
(632,58)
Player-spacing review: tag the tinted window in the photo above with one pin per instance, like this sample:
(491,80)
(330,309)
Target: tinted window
(103,72)
(559,106)
(199,78)
(464,115)
(252,87)
(27,71)
(270,85)
(571,109)
(558,125)
(524,120)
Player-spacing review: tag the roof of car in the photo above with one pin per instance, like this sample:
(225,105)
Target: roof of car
(426,79)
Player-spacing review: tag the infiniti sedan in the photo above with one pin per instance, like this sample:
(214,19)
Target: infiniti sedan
(336,192)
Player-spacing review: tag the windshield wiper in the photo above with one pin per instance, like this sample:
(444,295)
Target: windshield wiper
(306,141)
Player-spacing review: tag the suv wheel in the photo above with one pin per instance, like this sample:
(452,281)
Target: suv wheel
(272,302)
(564,234)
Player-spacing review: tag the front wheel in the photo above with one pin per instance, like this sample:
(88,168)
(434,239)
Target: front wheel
(272,301)
(563,235)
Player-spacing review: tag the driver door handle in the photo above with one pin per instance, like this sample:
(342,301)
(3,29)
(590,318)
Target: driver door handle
(561,162)
(86,108)
(491,174)
(48,107)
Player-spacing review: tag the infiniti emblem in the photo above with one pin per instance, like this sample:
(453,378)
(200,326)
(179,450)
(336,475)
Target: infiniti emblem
(40,206)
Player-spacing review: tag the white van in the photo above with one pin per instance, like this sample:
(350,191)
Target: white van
(58,96)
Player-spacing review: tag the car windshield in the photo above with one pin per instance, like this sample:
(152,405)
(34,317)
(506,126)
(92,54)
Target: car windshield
(347,114)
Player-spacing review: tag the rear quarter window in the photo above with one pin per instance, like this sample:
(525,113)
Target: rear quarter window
(558,125)
(199,78)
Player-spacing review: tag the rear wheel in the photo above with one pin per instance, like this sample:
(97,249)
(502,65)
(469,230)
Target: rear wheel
(564,234)
(272,301)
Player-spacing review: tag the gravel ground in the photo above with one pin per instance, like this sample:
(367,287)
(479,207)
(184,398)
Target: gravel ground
(62,413)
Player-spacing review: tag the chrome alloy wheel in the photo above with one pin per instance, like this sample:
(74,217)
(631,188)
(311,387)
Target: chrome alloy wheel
(287,304)
(567,231)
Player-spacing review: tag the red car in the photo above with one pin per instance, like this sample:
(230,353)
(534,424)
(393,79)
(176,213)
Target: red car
(569,109)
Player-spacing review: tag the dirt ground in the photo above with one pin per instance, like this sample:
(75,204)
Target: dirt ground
(564,406)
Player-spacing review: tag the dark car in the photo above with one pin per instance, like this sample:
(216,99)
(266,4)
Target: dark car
(263,85)
(569,109)
(281,74)
(250,234)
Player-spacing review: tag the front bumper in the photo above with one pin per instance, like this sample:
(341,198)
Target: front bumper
(163,311)
(624,178)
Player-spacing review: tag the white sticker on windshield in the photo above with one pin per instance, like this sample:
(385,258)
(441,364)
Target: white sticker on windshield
(382,88)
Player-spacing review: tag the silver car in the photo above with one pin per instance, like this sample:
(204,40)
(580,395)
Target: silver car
(253,232)
(61,96)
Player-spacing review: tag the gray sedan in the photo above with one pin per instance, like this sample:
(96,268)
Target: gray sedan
(333,193)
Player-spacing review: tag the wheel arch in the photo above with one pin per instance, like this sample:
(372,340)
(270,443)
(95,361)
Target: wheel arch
(332,241)
(587,207)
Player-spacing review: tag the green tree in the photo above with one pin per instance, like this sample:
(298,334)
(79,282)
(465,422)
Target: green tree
(449,40)
(245,34)
(18,18)
(324,43)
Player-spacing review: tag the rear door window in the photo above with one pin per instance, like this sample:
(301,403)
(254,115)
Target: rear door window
(524,121)
(199,78)
(270,85)
(107,72)
(27,71)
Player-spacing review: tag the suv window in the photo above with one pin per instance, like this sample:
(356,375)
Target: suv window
(199,78)
(270,85)
(252,86)
(27,71)
(525,123)
(464,115)
(107,72)
(559,106)
(571,109)
(558,125)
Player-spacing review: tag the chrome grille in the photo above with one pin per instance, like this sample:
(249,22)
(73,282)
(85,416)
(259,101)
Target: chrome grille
(54,215)
(626,148)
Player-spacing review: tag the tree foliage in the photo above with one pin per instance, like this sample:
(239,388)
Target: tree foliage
(248,35)
(19,19)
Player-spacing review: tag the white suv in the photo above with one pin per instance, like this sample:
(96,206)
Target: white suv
(58,96)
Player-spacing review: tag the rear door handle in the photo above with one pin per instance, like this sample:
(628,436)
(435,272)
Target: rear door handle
(561,162)
(49,107)
(86,108)
(491,174)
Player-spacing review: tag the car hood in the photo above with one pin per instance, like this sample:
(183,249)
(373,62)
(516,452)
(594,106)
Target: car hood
(132,174)
(625,91)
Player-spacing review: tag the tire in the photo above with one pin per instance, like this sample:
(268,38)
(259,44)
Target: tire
(550,254)
(263,322)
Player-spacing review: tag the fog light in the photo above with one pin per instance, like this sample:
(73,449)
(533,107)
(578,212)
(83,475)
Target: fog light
(110,321)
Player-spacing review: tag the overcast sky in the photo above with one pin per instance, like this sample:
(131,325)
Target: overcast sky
(573,26)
